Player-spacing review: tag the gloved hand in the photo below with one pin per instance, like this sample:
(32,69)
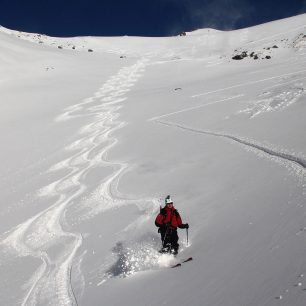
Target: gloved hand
(186,225)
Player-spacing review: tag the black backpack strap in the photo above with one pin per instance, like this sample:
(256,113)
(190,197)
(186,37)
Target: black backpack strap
(163,212)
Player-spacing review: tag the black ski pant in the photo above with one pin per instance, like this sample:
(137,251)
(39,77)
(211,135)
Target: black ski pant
(170,238)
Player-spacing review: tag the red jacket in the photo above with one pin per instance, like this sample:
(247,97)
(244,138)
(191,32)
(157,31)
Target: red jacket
(170,216)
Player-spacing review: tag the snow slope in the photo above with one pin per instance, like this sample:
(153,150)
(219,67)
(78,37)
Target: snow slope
(96,131)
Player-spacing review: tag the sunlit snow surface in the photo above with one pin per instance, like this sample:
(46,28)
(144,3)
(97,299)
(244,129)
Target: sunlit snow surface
(91,143)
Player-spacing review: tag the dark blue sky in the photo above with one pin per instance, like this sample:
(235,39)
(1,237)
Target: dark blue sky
(141,18)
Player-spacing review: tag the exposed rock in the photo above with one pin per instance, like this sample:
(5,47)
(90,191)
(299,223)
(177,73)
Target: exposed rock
(240,56)
(237,57)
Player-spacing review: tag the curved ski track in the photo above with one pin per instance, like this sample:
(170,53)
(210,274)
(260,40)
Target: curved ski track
(43,236)
(298,163)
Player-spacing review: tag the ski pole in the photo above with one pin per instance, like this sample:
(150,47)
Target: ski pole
(187,235)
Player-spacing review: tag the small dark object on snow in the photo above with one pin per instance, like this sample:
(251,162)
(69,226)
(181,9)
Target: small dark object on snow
(178,88)
(60,47)
(122,56)
(268,57)
(183,34)
(73,47)
(177,265)
(255,57)
(240,56)
(237,57)
(90,50)
(275,46)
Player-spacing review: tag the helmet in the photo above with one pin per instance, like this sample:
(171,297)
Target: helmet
(168,200)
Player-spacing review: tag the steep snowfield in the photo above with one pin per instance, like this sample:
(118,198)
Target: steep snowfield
(91,143)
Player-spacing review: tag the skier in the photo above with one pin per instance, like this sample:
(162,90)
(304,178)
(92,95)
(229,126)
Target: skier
(168,220)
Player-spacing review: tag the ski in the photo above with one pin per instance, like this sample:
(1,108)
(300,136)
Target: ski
(180,263)
(188,259)
(177,265)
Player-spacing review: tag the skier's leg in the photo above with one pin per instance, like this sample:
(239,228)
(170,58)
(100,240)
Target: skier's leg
(174,242)
(162,235)
(165,240)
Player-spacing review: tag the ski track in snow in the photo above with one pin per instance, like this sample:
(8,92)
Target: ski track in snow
(195,107)
(248,83)
(43,236)
(297,163)
(272,100)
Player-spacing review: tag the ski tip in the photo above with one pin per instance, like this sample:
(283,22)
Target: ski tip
(188,259)
(177,265)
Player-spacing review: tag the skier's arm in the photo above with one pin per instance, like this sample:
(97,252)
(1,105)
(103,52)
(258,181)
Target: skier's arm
(159,221)
(180,224)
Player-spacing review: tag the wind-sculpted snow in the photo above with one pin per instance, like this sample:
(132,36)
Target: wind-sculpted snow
(275,100)
(43,236)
